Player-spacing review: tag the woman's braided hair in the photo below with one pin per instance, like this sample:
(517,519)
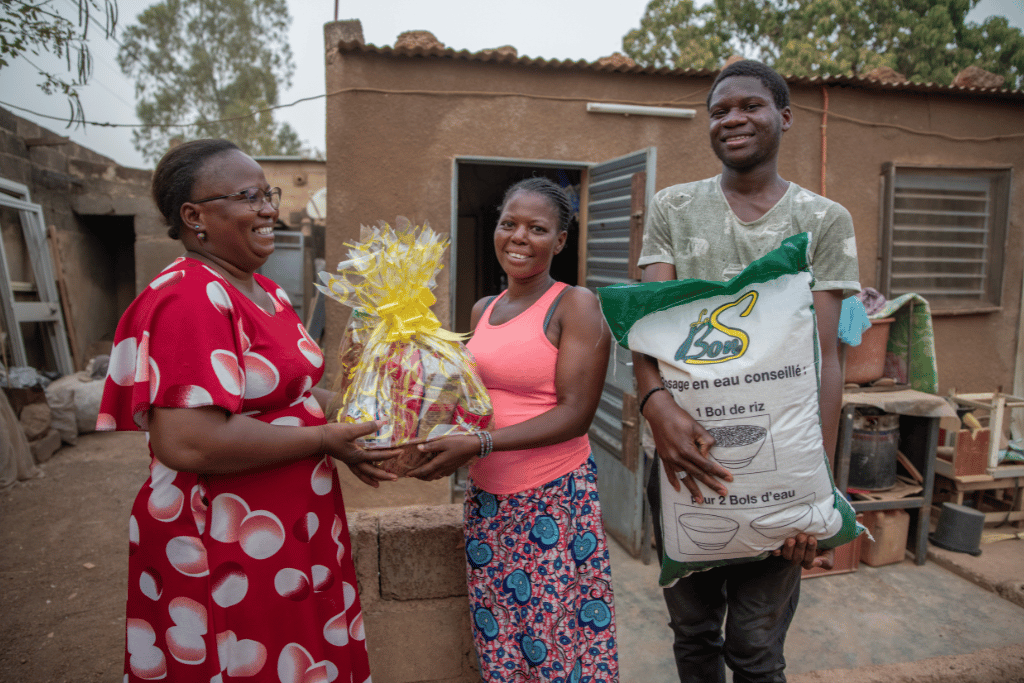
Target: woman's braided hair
(549,190)
(176,174)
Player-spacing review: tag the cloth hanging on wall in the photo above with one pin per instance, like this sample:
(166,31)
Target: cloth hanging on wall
(910,331)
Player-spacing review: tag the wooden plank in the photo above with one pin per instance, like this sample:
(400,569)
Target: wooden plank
(986,398)
(900,490)
(630,432)
(581,262)
(1000,517)
(868,389)
(905,461)
(65,301)
(45,142)
(1007,472)
(637,205)
(966,478)
(945,468)
(3,345)
(995,422)
(979,484)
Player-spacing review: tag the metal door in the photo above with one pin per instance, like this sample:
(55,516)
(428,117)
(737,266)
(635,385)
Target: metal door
(617,193)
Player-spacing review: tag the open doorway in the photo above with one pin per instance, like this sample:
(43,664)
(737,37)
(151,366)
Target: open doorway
(480,185)
(100,260)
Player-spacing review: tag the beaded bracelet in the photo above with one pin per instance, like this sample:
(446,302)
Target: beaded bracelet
(643,401)
(486,443)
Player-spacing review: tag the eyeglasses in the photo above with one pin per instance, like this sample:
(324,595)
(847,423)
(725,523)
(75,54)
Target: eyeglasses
(255,196)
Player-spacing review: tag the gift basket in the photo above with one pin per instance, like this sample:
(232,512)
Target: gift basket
(396,363)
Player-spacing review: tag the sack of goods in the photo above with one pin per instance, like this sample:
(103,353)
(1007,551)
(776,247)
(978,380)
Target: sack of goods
(742,358)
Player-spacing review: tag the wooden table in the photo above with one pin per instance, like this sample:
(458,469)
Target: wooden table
(976,484)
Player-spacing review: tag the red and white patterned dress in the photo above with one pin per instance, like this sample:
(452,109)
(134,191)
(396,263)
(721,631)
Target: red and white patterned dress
(243,577)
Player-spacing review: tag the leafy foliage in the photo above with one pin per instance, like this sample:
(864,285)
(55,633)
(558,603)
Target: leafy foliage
(36,27)
(212,63)
(925,40)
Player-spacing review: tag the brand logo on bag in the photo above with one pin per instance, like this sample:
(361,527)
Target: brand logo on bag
(710,341)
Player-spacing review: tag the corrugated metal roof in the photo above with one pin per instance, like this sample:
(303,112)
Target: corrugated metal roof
(611,65)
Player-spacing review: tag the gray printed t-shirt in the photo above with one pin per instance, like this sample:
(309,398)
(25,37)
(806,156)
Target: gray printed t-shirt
(692,227)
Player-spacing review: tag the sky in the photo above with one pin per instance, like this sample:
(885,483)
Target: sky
(550,29)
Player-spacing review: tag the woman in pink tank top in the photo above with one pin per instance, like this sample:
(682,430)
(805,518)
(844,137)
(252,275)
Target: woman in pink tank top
(537,563)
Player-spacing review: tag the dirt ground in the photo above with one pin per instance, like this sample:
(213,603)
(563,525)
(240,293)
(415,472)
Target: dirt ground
(65,556)
(64,560)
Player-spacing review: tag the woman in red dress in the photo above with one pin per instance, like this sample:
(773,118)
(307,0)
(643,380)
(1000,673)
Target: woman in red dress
(240,565)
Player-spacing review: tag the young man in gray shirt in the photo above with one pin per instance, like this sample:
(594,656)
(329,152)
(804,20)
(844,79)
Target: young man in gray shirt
(710,230)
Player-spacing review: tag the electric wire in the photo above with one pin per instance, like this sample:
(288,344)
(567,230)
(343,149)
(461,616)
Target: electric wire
(531,96)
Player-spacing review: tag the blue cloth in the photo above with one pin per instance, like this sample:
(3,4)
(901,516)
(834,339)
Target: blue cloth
(853,320)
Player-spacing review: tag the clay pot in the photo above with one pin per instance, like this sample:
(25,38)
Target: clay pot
(866,363)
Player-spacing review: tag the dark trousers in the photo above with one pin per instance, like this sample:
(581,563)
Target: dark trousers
(760,598)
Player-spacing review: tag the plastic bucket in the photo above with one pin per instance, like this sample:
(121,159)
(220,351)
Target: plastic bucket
(866,362)
(873,449)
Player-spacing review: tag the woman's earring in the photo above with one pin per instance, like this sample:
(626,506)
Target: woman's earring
(200,233)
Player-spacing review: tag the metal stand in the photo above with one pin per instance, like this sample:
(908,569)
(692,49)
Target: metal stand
(919,440)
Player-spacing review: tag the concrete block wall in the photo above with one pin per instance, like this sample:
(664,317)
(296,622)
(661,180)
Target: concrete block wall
(410,563)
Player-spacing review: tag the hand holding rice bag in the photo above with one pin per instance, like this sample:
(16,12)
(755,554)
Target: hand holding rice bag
(396,363)
(741,357)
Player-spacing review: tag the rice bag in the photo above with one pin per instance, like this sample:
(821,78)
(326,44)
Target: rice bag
(395,361)
(742,358)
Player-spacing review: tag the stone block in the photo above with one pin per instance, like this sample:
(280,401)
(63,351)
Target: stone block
(15,169)
(362,530)
(12,144)
(8,121)
(432,643)
(343,32)
(44,447)
(422,553)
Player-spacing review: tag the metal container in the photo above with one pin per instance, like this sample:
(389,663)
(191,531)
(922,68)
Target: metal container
(873,449)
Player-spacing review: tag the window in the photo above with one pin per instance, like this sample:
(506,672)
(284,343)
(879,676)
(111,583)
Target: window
(944,235)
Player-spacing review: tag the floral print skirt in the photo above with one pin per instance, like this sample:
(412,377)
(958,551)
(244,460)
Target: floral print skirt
(540,582)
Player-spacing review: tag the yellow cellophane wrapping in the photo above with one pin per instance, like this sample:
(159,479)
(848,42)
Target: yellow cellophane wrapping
(396,363)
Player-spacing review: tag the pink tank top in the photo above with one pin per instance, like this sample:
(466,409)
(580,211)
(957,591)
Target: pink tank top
(516,361)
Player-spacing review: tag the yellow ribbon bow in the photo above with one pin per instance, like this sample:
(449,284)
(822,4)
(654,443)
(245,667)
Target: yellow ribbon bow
(389,275)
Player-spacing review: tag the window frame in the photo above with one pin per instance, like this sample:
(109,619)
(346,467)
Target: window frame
(1001,182)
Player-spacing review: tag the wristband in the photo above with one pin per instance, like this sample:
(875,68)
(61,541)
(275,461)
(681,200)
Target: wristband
(486,443)
(643,401)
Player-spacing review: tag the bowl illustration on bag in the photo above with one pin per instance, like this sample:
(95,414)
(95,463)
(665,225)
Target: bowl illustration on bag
(708,532)
(793,519)
(737,445)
